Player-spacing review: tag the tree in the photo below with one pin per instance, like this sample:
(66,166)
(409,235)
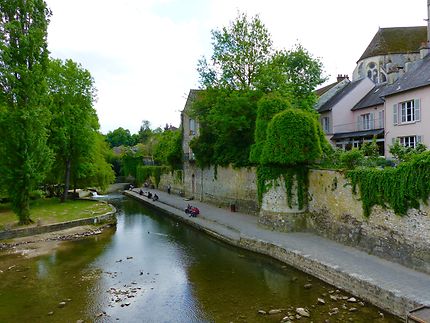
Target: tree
(145,131)
(25,156)
(294,74)
(119,137)
(244,69)
(168,149)
(74,120)
(239,52)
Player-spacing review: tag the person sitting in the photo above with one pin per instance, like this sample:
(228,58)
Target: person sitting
(149,195)
(155,198)
(141,192)
(194,211)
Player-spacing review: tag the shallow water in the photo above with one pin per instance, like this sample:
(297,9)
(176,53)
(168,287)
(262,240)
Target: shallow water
(153,269)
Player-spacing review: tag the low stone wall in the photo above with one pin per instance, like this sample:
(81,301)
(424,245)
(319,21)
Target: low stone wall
(223,186)
(336,213)
(24,232)
(175,180)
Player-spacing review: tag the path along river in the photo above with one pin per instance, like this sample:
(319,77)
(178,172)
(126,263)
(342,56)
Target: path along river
(153,269)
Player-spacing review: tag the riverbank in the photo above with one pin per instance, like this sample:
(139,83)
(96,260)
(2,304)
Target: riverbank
(388,285)
(45,243)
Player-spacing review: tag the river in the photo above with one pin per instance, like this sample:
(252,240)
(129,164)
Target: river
(151,268)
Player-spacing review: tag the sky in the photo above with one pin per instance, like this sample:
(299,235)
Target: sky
(143,53)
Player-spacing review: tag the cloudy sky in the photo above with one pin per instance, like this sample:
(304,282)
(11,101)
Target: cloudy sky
(143,53)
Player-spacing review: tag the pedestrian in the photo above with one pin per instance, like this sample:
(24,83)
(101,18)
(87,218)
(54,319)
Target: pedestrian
(169,188)
(155,198)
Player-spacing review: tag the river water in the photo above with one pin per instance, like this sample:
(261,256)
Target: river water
(151,268)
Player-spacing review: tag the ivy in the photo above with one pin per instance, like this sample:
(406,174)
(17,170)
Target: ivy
(268,175)
(144,173)
(399,188)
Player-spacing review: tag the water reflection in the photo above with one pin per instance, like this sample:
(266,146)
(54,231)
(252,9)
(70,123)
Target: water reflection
(153,269)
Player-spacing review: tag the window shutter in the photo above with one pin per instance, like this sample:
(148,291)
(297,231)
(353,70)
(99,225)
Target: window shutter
(419,139)
(417,107)
(381,119)
(395,114)
(372,122)
(358,123)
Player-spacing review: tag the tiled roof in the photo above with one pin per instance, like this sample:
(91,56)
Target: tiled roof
(396,40)
(371,99)
(327,106)
(416,78)
(324,89)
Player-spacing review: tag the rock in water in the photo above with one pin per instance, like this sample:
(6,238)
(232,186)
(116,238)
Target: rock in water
(301,311)
(352,300)
(275,311)
(61,304)
(307,286)
(321,301)
(262,312)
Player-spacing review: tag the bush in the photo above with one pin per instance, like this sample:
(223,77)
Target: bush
(292,139)
(144,173)
(268,106)
(352,158)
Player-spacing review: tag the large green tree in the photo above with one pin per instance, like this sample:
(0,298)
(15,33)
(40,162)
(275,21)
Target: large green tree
(243,69)
(74,122)
(239,53)
(120,137)
(25,156)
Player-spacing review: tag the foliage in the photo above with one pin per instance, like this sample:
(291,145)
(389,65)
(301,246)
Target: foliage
(292,139)
(129,163)
(352,158)
(239,52)
(295,74)
(168,149)
(269,175)
(120,137)
(145,131)
(401,187)
(144,173)
(268,106)
(74,122)
(227,120)
(94,169)
(23,109)
(402,153)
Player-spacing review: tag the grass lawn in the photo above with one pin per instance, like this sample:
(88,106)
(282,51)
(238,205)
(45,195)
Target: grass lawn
(52,211)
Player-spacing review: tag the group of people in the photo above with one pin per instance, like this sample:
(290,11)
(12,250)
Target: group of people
(192,211)
(149,195)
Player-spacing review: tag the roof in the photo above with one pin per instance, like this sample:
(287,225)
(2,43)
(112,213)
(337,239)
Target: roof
(395,41)
(324,89)
(415,78)
(359,134)
(192,96)
(327,106)
(371,99)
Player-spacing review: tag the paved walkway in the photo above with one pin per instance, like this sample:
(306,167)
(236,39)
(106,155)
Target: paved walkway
(386,284)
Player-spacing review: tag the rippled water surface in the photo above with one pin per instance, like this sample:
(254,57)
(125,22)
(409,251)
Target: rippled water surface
(153,269)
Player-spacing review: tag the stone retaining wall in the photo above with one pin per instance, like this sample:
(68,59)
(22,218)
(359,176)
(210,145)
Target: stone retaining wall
(23,232)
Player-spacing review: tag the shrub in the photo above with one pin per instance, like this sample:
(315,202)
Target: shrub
(292,139)
(352,158)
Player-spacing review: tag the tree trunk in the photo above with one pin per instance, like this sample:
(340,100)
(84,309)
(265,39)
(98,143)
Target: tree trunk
(66,181)
(23,210)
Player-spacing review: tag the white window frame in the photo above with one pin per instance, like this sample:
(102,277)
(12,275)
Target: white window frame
(326,124)
(366,121)
(410,141)
(192,125)
(407,112)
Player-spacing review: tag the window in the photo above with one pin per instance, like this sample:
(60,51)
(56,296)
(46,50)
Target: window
(192,127)
(366,121)
(381,119)
(326,124)
(407,112)
(410,141)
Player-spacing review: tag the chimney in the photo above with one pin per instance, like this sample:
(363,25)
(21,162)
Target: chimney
(341,77)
